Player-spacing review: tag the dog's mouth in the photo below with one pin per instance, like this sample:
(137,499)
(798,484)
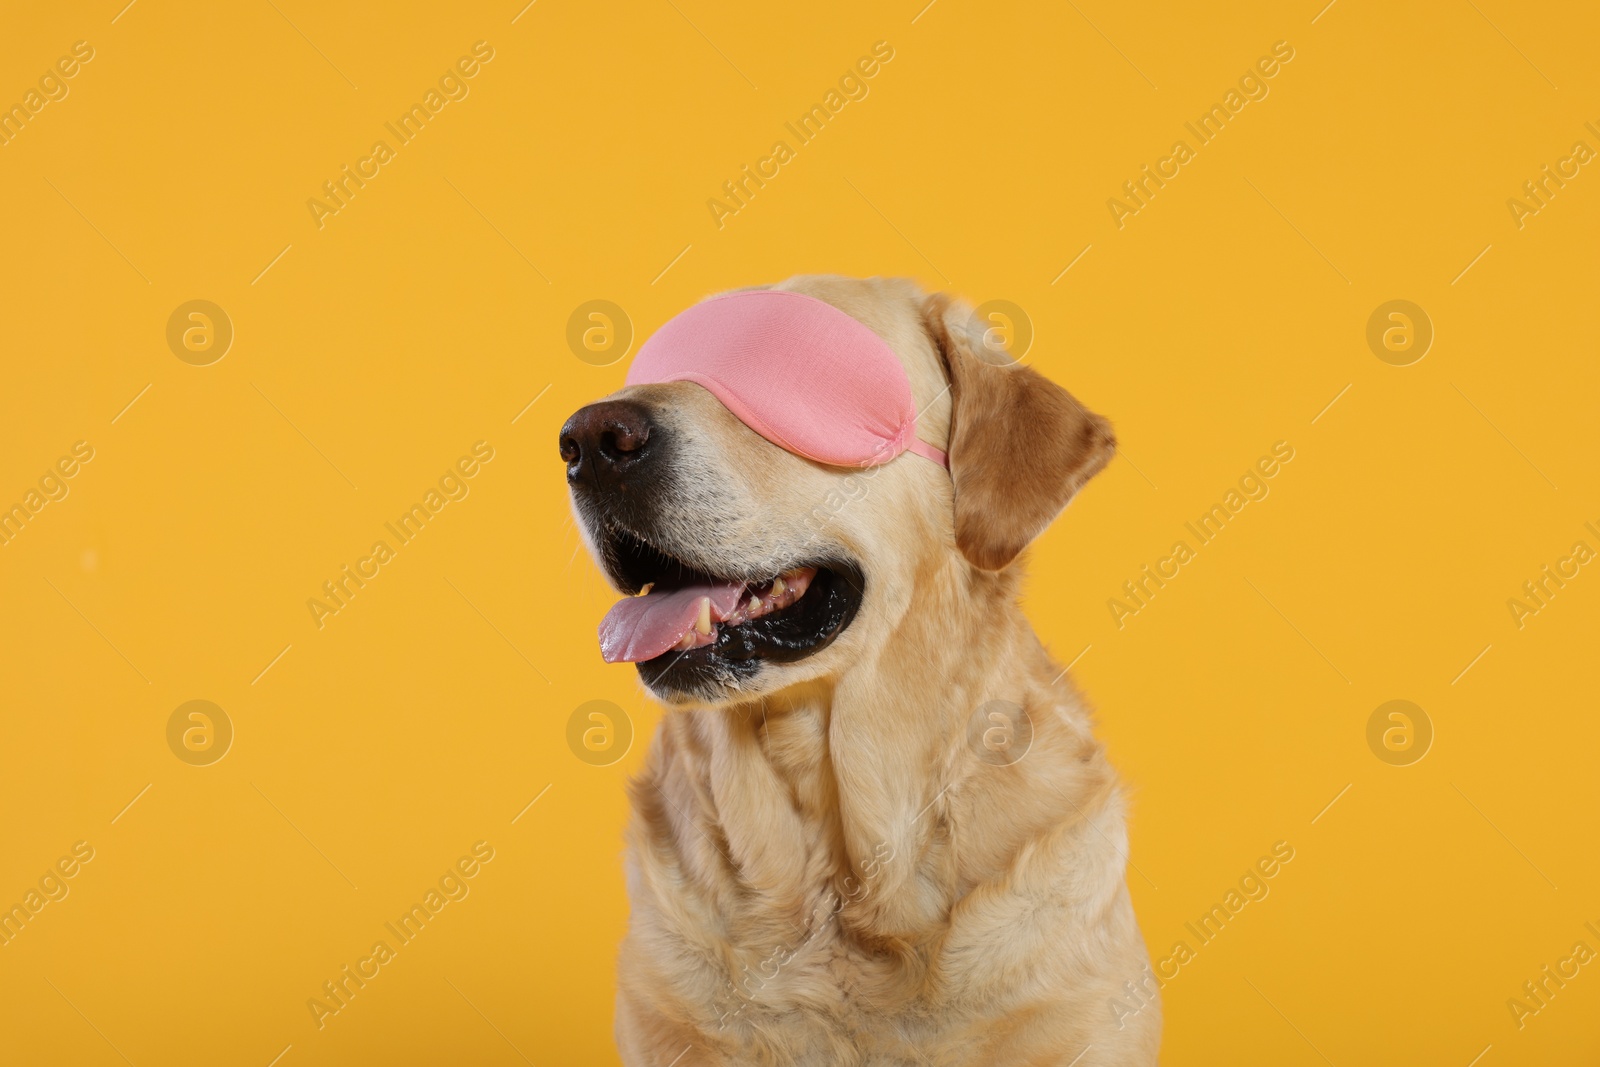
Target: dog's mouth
(688,627)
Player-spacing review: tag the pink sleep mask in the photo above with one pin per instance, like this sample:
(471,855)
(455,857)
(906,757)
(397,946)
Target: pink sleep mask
(801,373)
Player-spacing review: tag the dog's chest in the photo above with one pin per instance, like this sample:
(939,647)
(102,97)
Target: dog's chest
(816,984)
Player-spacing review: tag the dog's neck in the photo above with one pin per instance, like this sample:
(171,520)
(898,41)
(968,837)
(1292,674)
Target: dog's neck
(864,780)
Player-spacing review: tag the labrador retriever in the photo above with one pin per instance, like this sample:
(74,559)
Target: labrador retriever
(875,826)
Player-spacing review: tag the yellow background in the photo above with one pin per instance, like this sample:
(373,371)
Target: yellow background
(430,311)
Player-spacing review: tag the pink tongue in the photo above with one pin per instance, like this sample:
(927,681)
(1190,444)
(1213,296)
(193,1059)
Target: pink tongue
(638,628)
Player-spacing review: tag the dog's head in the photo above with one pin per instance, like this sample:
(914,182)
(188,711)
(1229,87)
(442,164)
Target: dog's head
(762,569)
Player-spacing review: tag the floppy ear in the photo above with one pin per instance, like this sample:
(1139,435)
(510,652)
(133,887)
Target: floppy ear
(1020,445)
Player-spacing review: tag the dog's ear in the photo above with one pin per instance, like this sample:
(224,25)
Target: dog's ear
(1020,445)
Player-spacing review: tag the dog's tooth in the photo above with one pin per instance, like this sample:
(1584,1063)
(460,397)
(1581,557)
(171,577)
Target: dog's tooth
(778,588)
(685,643)
(755,604)
(703,623)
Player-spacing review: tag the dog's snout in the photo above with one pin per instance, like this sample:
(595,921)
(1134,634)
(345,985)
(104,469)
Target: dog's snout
(602,442)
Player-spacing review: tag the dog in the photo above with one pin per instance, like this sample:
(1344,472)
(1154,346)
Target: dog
(874,826)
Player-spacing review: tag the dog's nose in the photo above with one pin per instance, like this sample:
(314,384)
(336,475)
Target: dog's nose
(604,441)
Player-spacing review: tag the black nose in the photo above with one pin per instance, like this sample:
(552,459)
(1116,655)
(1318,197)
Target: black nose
(604,442)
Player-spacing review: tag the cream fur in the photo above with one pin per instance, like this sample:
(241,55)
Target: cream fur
(821,869)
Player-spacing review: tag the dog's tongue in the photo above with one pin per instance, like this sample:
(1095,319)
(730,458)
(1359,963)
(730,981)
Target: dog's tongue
(638,628)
